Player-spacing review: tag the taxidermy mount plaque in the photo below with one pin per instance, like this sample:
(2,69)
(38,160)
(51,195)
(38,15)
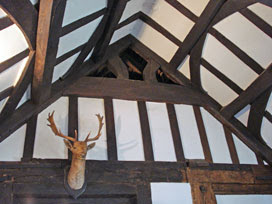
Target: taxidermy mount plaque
(74,181)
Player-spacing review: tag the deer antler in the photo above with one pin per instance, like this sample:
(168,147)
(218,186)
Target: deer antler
(100,119)
(54,128)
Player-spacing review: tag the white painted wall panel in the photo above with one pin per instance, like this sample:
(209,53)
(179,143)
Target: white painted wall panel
(248,37)
(184,67)
(25,97)
(189,132)
(269,104)
(34,1)
(216,138)
(128,131)
(164,14)
(76,9)
(243,115)
(2,13)
(174,193)
(227,63)
(162,140)
(12,42)
(63,67)
(244,199)
(216,87)
(47,145)
(12,148)
(266,131)
(262,11)
(245,155)
(10,76)
(88,122)
(2,103)
(195,6)
(77,37)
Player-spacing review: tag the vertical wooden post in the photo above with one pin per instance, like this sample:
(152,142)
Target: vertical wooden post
(202,193)
(72,119)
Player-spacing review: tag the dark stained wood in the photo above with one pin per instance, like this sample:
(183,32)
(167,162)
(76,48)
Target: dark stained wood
(110,129)
(237,51)
(49,29)
(118,67)
(145,18)
(197,31)
(242,189)
(19,89)
(129,20)
(30,138)
(203,134)
(221,76)
(27,110)
(268,116)
(115,8)
(144,193)
(81,22)
(146,134)
(13,60)
(231,145)
(136,90)
(69,54)
(149,74)
(6,193)
(25,16)
(5,22)
(261,84)
(72,119)
(257,21)
(175,132)
(6,92)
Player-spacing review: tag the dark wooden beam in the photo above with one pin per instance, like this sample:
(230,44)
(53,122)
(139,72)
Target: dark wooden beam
(242,189)
(30,138)
(6,193)
(231,145)
(19,89)
(149,74)
(268,116)
(13,60)
(5,22)
(129,20)
(81,22)
(203,135)
(6,93)
(144,193)
(175,132)
(197,31)
(25,16)
(136,90)
(118,67)
(72,119)
(110,129)
(115,8)
(146,134)
(49,29)
(261,84)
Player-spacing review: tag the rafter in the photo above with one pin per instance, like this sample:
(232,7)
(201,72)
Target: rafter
(5,22)
(6,93)
(261,84)
(49,29)
(118,67)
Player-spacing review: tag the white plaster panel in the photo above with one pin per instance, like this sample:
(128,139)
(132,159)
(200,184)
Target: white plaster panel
(263,11)
(195,6)
(243,115)
(248,37)
(77,37)
(174,193)
(245,155)
(227,63)
(76,9)
(216,87)
(244,199)
(2,103)
(25,97)
(189,132)
(10,76)
(155,41)
(184,67)
(12,42)
(88,122)
(34,1)
(165,14)
(216,138)
(2,13)
(269,104)
(266,131)
(63,67)
(161,135)
(12,148)
(47,145)
(128,131)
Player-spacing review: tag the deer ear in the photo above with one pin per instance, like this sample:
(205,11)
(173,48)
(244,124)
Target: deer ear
(90,146)
(68,144)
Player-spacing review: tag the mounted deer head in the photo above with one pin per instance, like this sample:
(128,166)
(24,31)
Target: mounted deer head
(76,175)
